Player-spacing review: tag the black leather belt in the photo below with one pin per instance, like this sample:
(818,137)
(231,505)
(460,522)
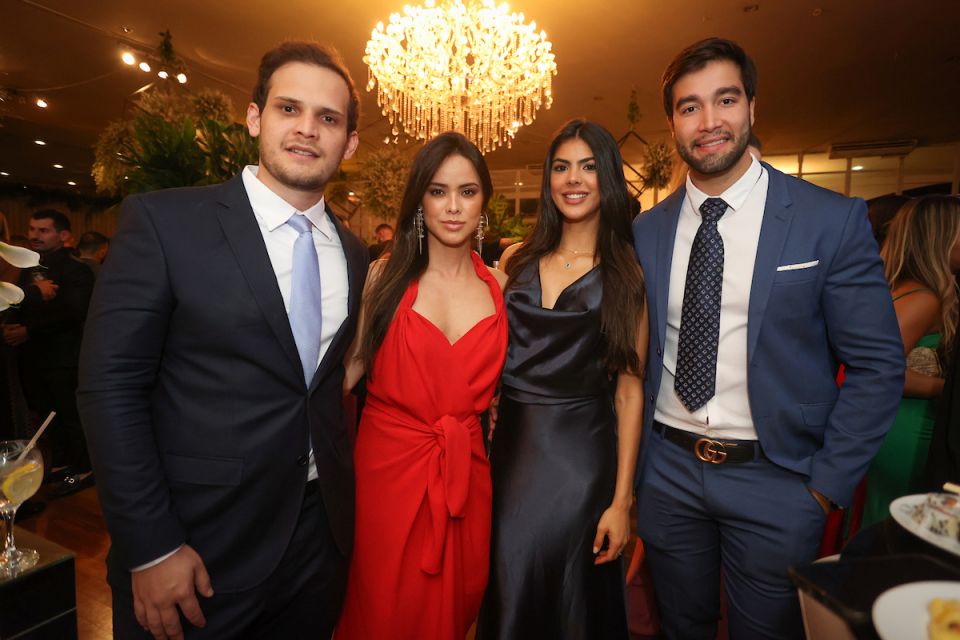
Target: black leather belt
(708,449)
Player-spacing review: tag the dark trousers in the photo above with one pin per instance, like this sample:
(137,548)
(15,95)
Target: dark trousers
(49,390)
(300,599)
(753,518)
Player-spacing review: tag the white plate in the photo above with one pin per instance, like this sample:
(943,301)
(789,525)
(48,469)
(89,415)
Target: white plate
(902,508)
(901,613)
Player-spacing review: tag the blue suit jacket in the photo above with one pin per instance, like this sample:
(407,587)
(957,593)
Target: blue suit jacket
(802,323)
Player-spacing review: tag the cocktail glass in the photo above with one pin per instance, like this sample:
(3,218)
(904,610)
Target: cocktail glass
(19,480)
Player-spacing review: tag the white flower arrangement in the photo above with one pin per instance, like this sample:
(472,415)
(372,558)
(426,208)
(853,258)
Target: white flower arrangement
(11,294)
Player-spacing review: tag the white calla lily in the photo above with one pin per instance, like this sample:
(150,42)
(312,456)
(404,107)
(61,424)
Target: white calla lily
(18,256)
(10,294)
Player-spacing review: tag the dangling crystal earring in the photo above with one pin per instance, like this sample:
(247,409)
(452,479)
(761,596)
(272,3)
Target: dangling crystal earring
(418,225)
(483,222)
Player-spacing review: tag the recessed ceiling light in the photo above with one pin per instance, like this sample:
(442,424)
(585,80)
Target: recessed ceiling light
(71,183)
(41,103)
(857,167)
(39,142)
(145,67)
(182,78)
(163,75)
(58,166)
(4,173)
(128,58)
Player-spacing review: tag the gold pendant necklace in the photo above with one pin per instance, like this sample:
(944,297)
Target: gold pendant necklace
(567,263)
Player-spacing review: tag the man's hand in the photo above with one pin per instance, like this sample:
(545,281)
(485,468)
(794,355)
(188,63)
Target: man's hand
(159,590)
(15,334)
(48,289)
(822,499)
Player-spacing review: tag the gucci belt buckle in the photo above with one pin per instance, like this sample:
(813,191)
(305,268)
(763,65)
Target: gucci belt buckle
(712,451)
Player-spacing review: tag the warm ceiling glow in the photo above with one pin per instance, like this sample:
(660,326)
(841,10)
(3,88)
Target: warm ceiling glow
(472,67)
(39,142)
(857,167)
(41,103)
(58,166)
(128,58)
(145,67)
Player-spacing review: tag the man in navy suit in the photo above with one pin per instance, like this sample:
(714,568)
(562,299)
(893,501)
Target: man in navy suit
(211,380)
(759,284)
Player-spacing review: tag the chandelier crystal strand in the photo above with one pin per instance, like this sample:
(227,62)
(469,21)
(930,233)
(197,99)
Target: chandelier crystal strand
(474,68)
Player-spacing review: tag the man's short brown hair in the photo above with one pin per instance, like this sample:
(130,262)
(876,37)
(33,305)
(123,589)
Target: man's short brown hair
(308,53)
(696,57)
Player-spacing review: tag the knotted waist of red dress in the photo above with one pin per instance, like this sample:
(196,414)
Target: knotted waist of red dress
(448,473)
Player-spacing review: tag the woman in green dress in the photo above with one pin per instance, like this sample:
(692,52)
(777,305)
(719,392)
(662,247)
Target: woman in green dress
(921,257)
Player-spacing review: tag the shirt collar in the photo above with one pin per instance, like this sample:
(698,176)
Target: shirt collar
(736,194)
(275,211)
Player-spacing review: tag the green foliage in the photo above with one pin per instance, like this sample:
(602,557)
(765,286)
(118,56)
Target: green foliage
(383,175)
(657,166)
(503,222)
(174,140)
(162,154)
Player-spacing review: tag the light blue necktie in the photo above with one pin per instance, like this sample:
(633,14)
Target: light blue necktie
(305,318)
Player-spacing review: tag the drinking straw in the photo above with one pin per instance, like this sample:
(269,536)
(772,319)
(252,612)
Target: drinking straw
(36,436)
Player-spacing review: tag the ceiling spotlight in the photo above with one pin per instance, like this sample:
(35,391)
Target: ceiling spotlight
(58,166)
(182,78)
(4,173)
(857,167)
(144,67)
(71,183)
(39,142)
(163,75)
(41,103)
(128,58)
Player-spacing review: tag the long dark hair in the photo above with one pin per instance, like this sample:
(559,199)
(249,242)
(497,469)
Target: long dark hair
(623,289)
(406,262)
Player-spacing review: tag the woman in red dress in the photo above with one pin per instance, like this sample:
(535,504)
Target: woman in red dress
(433,338)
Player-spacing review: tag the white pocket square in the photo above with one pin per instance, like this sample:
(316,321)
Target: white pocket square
(799,265)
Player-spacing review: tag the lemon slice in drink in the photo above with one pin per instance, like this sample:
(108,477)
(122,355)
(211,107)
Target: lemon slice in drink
(22,482)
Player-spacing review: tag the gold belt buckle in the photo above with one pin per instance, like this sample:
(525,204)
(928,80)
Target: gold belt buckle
(712,451)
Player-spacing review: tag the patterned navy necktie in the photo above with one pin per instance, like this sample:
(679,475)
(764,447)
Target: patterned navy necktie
(696,376)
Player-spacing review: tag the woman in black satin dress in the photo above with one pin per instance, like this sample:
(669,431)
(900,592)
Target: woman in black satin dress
(565,445)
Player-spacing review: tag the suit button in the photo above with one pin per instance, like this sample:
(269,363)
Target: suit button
(302,460)
(652,399)
(659,352)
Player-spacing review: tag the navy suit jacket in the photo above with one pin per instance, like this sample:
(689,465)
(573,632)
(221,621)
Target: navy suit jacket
(193,396)
(801,324)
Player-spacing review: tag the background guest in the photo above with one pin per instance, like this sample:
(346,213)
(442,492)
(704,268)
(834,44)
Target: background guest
(921,258)
(881,211)
(47,328)
(92,249)
(384,236)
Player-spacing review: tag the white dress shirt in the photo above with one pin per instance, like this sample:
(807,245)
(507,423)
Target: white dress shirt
(272,213)
(727,414)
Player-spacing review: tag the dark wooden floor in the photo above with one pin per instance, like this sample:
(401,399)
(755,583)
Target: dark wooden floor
(76,522)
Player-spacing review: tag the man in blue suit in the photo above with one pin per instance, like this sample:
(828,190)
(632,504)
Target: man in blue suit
(759,285)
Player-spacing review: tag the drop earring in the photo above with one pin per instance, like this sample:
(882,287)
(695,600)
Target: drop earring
(483,222)
(418,226)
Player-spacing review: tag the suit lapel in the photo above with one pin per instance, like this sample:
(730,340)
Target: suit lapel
(243,234)
(666,237)
(777,214)
(357,260)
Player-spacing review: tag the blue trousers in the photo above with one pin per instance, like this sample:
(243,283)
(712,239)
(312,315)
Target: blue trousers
(753,518)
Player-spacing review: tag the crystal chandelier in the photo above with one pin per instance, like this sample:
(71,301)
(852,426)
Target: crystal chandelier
(475,68)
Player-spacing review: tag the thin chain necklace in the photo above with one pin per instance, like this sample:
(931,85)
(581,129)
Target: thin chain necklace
(568,264)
